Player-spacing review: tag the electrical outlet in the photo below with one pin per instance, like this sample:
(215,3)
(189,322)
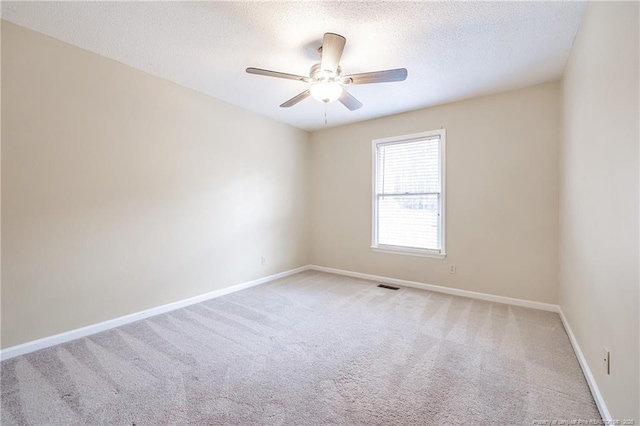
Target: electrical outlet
(263,260)
(607,361)
(452,269)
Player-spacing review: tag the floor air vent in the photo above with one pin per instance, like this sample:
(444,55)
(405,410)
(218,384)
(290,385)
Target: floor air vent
(389,287)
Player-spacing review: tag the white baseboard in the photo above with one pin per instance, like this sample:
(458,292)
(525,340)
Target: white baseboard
(593,386)
(78,333)
(448,290)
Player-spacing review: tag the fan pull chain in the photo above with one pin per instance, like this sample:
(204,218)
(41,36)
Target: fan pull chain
(325,114)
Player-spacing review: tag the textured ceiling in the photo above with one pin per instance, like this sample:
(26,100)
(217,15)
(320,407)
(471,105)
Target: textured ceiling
(453,50)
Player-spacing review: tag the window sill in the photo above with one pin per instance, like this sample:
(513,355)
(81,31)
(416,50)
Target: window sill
(409,252)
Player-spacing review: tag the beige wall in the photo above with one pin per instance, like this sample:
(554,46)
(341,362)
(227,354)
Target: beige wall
(599,199)
(122,191)
(502,195)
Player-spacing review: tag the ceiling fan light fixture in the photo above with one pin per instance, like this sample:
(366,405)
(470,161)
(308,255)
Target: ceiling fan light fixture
(326,92)
(326,80)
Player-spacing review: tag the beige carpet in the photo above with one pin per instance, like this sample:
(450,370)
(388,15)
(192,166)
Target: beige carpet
(310,349)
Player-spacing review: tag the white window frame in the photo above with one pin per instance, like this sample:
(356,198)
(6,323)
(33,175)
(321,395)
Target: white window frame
(438,254)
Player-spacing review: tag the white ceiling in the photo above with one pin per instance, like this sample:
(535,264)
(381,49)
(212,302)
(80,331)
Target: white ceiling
(452,50)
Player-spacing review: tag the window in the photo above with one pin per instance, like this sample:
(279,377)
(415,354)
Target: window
(408,194)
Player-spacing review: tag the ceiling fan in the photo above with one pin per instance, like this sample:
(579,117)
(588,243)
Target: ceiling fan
(326,79)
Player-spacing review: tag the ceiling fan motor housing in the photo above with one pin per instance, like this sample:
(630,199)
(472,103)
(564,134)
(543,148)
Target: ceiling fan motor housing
(317,74)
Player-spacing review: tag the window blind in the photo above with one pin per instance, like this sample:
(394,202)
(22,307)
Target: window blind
(408,194)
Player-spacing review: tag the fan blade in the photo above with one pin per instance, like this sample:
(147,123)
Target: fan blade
(399,74)
(297,98)
(332,47)
(276,74)
(349,101)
